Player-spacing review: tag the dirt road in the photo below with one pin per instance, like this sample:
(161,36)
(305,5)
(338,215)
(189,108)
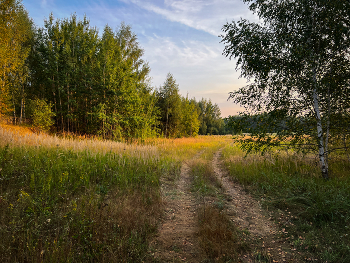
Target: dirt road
(176,240)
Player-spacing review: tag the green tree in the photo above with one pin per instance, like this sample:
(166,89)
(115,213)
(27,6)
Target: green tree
(190,117)
(299,60)
(97,85)
(41,114)
(211,122)
(64,70)
(169,101)
(15,42)
(126,90)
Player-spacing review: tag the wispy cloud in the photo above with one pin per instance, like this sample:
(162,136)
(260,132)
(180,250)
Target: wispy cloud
(208,16)
(185,52)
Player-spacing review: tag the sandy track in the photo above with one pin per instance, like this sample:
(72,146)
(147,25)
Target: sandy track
(176,240)
(247,214)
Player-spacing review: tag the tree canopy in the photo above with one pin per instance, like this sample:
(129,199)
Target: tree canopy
(298,59)
(16,32)
(68,78)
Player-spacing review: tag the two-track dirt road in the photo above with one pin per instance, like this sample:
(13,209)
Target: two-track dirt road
(176,240)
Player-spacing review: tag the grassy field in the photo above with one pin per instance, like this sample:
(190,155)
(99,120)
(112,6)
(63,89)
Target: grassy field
(85,200)
(82,200)
(313,213)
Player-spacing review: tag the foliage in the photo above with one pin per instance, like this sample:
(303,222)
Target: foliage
(210,121)
(169,101)
(16,34)
(190,119)
(97,84)
(42,115)
(186,117)
(298,58)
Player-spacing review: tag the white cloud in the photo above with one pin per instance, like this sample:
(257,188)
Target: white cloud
(198,67)
(208,16)
(189,53)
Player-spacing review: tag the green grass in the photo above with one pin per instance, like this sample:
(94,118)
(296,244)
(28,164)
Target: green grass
(204,181)
(65,206)
(314,213)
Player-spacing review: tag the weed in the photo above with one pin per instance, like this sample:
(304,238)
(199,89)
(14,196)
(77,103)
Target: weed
(75,199)
(205,183)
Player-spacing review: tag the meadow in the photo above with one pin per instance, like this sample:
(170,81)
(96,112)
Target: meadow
(73,199)
(81,200)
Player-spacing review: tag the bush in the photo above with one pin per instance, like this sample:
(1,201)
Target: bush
(41,114)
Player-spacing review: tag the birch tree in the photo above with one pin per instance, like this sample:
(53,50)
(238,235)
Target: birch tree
(297,58)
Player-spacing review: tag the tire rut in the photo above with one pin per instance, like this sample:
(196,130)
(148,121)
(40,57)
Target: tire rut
(176,239)
(247,214)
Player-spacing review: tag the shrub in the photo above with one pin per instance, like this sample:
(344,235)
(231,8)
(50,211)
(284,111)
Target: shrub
(41,114)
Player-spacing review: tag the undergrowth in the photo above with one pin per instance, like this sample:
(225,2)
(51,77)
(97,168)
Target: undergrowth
(314,214)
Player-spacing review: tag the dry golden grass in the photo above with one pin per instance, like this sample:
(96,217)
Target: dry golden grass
(218,237)
(22,136)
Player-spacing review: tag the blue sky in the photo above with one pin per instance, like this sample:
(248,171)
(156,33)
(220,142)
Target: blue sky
(178,36)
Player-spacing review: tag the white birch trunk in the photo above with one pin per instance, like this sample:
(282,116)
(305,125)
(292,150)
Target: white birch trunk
(321,146)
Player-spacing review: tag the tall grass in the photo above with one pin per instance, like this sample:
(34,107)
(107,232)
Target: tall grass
(74,206)
(72,199)
(314,213)
(22,137)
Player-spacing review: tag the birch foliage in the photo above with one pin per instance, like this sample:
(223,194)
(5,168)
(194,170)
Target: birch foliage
(297,58)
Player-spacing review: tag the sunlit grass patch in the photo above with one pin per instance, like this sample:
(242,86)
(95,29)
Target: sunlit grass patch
(76,206)
(23,137)
(72,199)
(186,148)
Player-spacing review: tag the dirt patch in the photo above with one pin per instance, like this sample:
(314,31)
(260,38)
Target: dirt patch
(176,240)
(263,235)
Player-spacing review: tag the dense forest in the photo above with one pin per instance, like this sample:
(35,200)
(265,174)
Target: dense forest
(66,77)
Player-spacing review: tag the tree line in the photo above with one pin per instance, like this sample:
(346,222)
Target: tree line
(66,77)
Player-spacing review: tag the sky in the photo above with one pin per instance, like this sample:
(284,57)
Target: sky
(178,36)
